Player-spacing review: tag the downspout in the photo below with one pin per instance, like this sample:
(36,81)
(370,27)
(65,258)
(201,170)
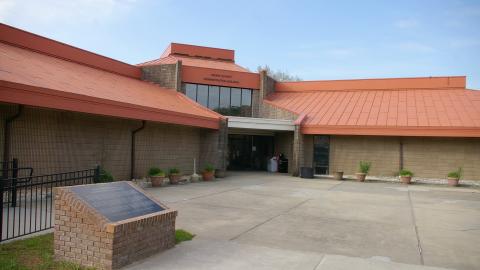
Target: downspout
(6,136)
(401,154)
(132,149)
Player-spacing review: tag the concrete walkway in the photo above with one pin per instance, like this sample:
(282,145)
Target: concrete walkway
(272,221)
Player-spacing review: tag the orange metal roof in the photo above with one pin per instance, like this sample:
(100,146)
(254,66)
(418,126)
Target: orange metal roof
(408,107)
(199,51)
(198,56)
(37,79)
(20,38)
(196,62)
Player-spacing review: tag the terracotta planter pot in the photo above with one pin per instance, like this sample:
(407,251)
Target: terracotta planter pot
(174,178)
(406,179)
(157,181)
(207,176)
(453,182)
(361,177)
(338,176)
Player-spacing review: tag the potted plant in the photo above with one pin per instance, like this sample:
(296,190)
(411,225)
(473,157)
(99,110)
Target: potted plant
(338,176)
(157,176)
(454,177)
(364,167)
(208,173)
(174,175)
(104,176)
(405,176)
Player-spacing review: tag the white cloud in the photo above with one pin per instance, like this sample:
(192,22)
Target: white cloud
(31,12)
(406,23)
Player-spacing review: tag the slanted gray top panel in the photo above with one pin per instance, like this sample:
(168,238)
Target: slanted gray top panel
(117,201)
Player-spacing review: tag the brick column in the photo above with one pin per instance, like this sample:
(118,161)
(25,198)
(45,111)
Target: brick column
(214,148)
(178,77)
(222,146)
(267,86)
(165,75)
(297,156)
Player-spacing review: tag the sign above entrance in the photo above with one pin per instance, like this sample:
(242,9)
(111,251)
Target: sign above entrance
(217,79)
(210,76)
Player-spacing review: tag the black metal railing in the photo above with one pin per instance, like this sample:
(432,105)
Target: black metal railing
(9,177)
(27,201)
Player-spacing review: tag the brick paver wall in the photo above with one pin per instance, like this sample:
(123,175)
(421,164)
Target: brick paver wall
(54,141)
(436,157)
(168,146)
(426,157)
(85,237)
(347,151)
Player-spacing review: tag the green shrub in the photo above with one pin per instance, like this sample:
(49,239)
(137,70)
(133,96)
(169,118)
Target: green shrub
(456,174)
(105,176)
(404,172)
(209,168)
(173,171)
(365,166)
(155,171)
(182,235)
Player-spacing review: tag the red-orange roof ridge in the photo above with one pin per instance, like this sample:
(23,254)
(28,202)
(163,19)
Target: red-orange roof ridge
(447,82)
(406,112)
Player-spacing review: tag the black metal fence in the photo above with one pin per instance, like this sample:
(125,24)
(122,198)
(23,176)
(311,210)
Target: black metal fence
(27,200)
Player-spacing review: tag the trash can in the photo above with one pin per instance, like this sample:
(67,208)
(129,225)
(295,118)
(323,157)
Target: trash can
(306,172)
(273,164)
(282,164)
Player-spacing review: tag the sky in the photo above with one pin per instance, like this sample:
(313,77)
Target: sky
(315,40)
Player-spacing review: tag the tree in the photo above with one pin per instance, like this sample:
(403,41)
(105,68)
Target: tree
(278,75)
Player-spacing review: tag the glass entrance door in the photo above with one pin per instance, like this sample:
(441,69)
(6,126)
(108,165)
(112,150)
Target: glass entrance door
(321,154)
(249,152)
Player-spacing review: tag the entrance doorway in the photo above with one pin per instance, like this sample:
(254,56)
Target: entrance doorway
(249,152)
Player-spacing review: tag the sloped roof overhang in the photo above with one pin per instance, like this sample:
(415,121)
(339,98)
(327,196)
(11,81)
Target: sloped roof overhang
(54,99)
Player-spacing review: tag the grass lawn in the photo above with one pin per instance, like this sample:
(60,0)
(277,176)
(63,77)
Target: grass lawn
(37,253)
(31,253)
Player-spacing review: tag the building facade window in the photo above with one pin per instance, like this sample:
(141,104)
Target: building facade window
(213,97)
(224,100)
(202,95)
(321,154)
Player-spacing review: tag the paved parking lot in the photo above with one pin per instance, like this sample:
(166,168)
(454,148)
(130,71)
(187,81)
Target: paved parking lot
(273,221)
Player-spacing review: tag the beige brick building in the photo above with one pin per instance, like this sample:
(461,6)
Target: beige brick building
(80,110)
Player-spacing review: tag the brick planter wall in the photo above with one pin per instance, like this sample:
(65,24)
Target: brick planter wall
(84,236)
